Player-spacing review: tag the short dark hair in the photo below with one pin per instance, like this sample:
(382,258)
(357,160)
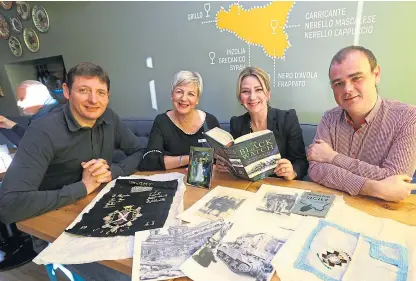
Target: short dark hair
(87,69)
(344,52)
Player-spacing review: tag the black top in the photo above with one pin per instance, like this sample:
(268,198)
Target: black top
(286,129)
(46,171)
(16,133)
(167,139)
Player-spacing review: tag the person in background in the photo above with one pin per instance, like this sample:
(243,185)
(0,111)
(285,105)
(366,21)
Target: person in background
(67,155)
(34,98)
(367,144)
(253,92)
(176,130)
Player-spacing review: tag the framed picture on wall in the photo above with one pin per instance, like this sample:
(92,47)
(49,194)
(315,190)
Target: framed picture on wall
(15,46)
(4,28)
(40,18)
(16,24)
(23,9)
(31,39)
(7,5)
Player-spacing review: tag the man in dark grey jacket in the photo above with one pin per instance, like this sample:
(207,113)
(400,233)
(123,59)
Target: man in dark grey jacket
(67,154)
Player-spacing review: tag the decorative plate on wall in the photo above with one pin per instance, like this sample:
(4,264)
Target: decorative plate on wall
(31,39)
(40,18)
(15,46)
(4,28)
(16,24)
(6,4)
(23,9)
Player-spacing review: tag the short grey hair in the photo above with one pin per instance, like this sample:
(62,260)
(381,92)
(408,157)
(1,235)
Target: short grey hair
(41,90)
(28,83)
(188,77)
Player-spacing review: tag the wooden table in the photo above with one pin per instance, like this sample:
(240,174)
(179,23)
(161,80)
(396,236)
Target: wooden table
(50,225)
(403,211)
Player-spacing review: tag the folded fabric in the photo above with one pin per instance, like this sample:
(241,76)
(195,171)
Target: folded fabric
(74,249)
(334,253)
(348,245)
(131,205)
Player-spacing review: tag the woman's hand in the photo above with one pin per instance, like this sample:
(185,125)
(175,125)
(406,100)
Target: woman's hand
(221,167)
(285,169)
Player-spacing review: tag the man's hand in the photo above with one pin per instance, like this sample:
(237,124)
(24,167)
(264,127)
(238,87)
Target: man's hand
(320,151)
(221,167)
(89,181)
(98,169)
(393,188)
(285,169)
(6,123)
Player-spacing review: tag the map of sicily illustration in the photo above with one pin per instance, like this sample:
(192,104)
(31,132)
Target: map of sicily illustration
(260,26)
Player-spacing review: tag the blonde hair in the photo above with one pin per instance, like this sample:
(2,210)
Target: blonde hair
(257,72)
(188,77)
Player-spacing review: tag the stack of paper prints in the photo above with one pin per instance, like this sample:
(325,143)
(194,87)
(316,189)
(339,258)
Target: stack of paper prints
(348,245)
(220,203)
(159,253)
(75,249)
(245,253)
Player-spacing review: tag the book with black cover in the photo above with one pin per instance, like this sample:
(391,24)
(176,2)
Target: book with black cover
(313,204)
(131,205)
(252,157)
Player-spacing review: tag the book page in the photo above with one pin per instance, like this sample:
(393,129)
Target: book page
(220,136)
(4,149)
(5,158)
(251,136)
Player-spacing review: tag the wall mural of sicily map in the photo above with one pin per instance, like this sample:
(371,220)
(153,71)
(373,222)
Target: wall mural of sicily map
(131,205)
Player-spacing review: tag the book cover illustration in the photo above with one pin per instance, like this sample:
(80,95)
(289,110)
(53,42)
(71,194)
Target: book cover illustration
(158,253)
(200,166)
(313,204)
(252,157)
(131,205)
(220,203)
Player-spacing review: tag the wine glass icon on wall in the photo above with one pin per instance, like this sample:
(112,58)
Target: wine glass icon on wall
(273,24)
(207,7)
(212,57)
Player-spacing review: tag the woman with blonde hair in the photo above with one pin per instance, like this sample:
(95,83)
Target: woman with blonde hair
(176,130)
(253,92)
